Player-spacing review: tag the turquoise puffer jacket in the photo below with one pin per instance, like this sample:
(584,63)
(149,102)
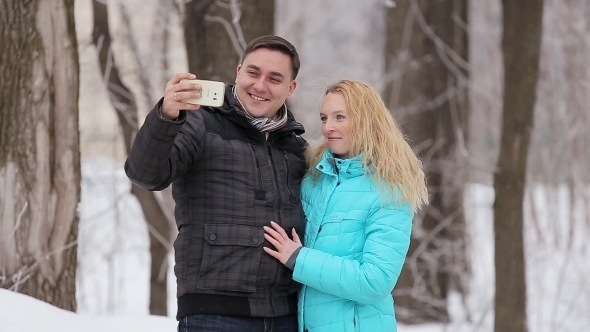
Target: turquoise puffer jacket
(354,250)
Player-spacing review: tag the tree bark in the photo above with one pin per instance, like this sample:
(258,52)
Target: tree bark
(426,54)
(160,226)
(39,150)
(521,51)
(214,43)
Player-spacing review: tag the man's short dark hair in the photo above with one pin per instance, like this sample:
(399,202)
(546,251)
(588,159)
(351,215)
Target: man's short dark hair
(275,43)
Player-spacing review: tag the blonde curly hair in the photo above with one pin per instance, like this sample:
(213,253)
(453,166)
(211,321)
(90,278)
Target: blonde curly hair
(375,134)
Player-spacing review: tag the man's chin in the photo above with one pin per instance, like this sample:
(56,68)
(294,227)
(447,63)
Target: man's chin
(256,112)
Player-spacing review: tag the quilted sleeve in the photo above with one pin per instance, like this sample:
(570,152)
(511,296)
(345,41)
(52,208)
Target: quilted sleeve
(163,150)
(373,276)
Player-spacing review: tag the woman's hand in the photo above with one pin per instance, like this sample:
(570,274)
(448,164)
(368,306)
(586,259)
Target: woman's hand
(285,247)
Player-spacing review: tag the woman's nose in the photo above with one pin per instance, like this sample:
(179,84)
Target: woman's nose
(328,126)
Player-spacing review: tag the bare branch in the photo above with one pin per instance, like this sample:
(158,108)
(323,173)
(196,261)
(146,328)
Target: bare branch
(18,221)
(228,28)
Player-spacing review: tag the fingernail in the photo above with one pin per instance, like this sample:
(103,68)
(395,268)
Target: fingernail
(193,76)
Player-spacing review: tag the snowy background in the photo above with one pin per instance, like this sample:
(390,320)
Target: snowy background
(113,273)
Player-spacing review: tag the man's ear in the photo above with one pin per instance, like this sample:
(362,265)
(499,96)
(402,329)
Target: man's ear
(292,87)
(238,71)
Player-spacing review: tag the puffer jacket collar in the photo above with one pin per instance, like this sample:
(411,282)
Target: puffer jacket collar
(343,168)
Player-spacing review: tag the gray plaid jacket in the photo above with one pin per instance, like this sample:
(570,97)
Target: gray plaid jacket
(227,182)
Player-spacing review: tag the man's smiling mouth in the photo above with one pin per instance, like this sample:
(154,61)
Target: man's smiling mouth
(255,97)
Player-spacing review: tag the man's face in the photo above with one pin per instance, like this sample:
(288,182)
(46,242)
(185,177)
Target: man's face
(264,83)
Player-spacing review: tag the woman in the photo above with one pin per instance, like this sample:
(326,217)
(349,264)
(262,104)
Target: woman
(359,196)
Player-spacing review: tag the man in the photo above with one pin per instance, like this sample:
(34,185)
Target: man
(233,169)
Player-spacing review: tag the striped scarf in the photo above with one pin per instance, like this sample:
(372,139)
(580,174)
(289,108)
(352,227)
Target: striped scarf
(264,125)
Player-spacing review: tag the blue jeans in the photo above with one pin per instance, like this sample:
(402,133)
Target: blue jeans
(218,323)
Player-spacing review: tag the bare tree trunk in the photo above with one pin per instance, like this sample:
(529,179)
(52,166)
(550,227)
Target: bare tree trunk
(159,224)
(521,49)
(216,35)
(39,150)
(426,54)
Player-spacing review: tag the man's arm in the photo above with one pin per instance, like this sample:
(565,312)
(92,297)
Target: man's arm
(170,140)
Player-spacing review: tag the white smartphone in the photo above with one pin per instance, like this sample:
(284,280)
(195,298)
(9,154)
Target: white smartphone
(212,93)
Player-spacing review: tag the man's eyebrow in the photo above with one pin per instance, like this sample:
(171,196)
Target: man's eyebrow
(272,73)
(276,74)
(251,66)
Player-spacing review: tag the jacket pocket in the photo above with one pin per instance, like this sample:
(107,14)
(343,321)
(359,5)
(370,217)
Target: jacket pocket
(341,233)
(231,257)
(347,219)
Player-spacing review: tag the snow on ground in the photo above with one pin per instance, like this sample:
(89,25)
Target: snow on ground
(22,313)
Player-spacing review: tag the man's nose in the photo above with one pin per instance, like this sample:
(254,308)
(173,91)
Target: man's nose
(259,84)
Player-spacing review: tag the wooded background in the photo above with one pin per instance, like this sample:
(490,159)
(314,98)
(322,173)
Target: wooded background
(487,91)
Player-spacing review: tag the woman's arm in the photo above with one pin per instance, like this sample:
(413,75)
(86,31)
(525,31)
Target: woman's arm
(373,276)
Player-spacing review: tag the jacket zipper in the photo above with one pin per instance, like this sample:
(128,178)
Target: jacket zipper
(354,318)
(277,188)
(288,176)
(257,168)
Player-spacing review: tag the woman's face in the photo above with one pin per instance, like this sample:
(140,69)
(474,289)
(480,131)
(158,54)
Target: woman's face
(336,124)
